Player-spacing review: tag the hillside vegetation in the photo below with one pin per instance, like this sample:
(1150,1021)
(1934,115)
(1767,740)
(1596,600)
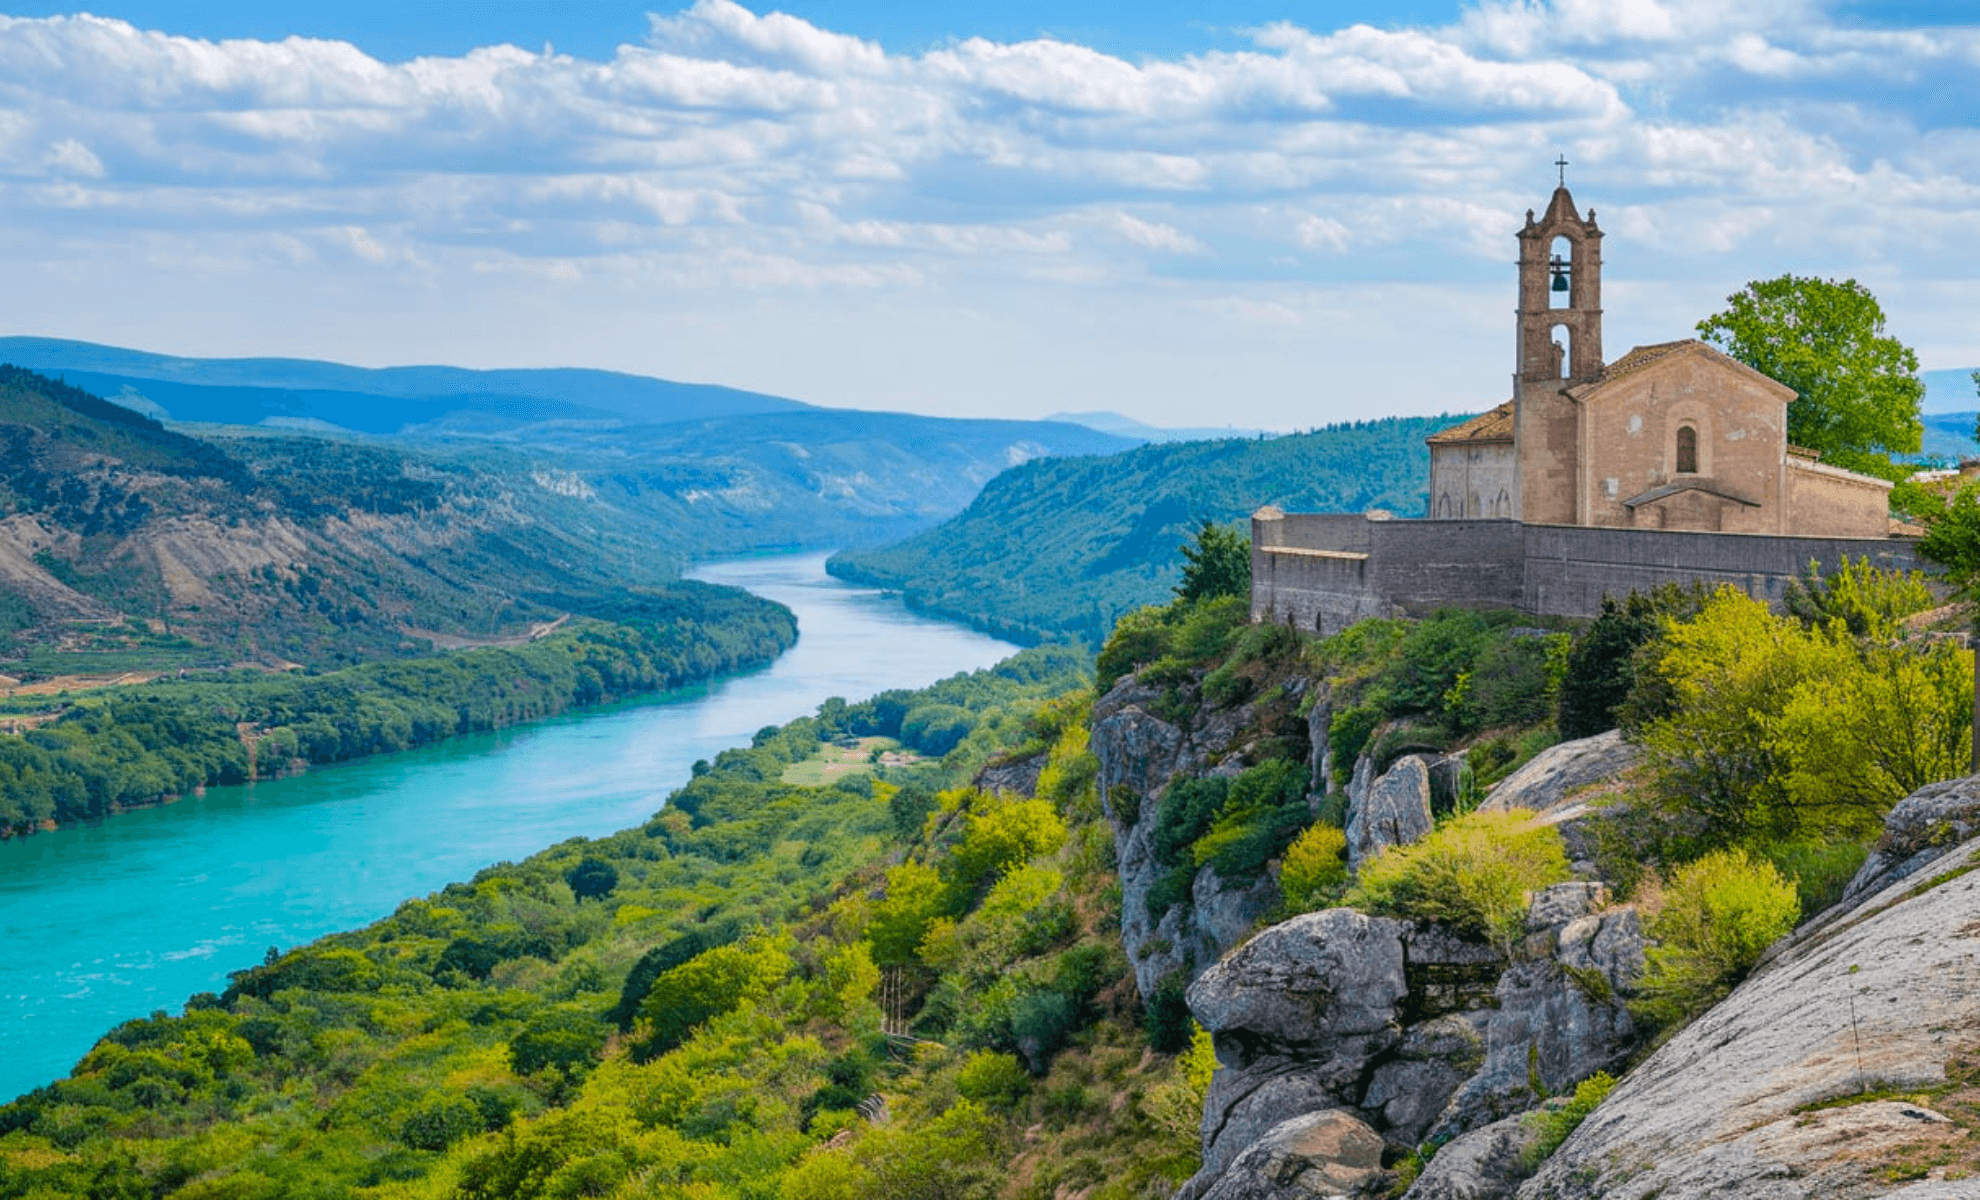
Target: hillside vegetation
(1062,548)
(114,749)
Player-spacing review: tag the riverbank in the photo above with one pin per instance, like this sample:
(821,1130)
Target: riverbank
(141,745)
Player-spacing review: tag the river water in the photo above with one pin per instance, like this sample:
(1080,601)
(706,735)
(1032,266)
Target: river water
(113,920)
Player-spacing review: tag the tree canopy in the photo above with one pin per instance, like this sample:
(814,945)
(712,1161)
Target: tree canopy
(1217,563)
(1856,387)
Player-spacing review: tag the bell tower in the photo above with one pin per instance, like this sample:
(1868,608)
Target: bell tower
(1560,301)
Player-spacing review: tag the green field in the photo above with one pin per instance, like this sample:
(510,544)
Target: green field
(849,756)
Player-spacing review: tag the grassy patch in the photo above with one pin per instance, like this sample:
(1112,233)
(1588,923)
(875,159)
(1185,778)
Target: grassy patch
(851,756)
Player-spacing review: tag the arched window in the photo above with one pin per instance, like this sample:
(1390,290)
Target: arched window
(1687,463)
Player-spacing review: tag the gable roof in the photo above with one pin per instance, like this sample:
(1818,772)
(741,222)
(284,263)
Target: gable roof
(1493,426)
(1644,357)
(1707,486)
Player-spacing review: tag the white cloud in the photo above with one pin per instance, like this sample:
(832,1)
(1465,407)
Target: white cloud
(734,156)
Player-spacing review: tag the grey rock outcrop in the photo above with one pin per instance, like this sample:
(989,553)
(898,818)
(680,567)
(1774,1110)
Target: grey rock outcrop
(1141,755)
(1888,991)
(1559,1018)
(1925,826)
(1316,1156)
(1393,810)
(1297,1014)
(1431,1062)
(1019,776)
(1555,774)
(1484,1164)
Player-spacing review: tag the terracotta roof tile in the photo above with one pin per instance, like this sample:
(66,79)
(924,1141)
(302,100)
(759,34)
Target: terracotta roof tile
(1493,426)
(1643,356)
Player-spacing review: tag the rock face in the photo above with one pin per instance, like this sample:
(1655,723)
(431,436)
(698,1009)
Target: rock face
(1886,990)
(1393,810)
(1923,827)
(1417,1032)
(1019,775)
(1558,1017)
(1484,1164)
(1141,755)
(1317,1156)
(1556,773)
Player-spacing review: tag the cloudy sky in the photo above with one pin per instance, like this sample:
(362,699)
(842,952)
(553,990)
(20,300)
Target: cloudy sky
(1250,213)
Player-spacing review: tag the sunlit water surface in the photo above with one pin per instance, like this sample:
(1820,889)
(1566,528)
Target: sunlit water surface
(113,920)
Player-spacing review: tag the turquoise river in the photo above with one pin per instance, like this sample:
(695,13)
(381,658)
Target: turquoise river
(113,920)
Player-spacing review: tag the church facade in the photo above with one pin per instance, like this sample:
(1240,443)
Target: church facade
(1670,463)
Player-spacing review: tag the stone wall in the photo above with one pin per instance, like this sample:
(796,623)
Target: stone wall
(1323,572)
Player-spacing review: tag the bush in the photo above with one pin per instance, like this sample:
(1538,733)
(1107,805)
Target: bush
(936,729)
(1821,871)
(1167,1020)
(710,984)
(1188,809)
(1720,913)
(1553,1125)
(1475,873)
(592,879)
(439,1123)
(1315,869)
(996,1081)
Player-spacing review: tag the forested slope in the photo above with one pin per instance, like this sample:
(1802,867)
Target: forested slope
(1061,548)
(117,748)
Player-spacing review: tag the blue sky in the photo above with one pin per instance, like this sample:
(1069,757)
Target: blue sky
(1249,213)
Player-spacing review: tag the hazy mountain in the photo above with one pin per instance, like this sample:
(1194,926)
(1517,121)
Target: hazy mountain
(247,391)
(1128,427)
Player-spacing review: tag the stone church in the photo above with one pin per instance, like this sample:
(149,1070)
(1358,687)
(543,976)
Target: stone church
(1670,436)
(1670,463)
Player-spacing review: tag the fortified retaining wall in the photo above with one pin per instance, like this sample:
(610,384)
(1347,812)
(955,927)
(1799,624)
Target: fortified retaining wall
(1325,571)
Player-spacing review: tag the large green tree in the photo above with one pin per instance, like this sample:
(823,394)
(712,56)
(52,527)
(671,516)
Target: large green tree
(1856,387)
(1218,563)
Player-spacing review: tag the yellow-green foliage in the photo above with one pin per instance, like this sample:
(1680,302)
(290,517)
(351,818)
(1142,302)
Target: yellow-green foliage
(1554,1124)
(712,983)
(1719,914)
(1475,872)
(1001,832)
(1777,729)
(996,1081)
(1314,870)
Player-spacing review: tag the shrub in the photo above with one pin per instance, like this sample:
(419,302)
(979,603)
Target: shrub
(1475,873)
(710,984)
(1553,1125)
(1264,807)
(996,1081)
(1821,871)
(566,1038)
(1720,913)
(936,729)
(1188,809)
(440,1122)
(1315,869)
(1167,1020)
(592,879)
(1004,833)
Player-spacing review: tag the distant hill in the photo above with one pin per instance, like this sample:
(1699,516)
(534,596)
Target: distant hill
(1128,427)
(1060,548)
(245,391)
(125,545)
(1949,435)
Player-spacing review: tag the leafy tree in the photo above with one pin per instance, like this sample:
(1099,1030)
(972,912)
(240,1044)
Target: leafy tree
(1217,564)
(1315,868)
(711,984)
(592,879)
(1856,388)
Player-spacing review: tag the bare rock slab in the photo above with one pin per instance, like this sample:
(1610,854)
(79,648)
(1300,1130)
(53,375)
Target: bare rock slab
(1393,810)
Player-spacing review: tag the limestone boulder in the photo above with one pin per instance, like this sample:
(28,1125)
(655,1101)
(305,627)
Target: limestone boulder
(1227,911)
(1889,992)
(1392,810)
(1019,776)
(1244,1105)
(1555,774)
(1485,1164)
(1924,827)
(1317,1156)
(1324,987)
(1557,784)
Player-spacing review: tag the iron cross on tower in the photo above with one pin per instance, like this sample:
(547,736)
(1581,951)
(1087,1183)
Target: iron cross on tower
(1562,163)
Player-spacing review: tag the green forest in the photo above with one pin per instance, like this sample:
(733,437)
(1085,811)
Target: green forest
(134,745)
(1060,548)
